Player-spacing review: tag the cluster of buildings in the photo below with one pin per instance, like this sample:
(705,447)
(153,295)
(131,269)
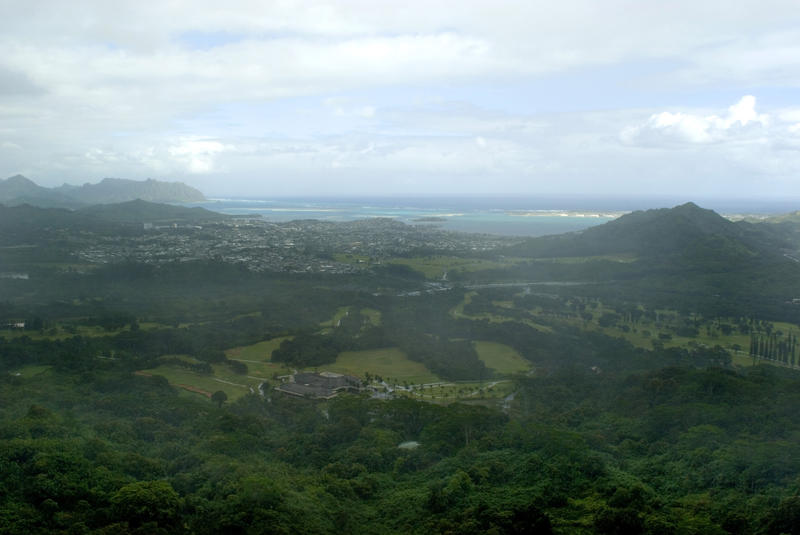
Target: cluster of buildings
(296,246)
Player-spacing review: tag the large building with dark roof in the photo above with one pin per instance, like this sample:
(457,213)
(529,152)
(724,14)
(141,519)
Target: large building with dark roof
(323,385)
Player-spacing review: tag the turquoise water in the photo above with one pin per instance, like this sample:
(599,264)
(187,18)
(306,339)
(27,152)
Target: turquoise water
(512,217)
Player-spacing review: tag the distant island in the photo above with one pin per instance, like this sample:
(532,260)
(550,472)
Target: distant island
(18,190)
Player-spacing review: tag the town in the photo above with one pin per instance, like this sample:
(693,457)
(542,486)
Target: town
(295,246)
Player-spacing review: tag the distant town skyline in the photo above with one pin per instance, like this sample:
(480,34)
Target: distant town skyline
(690,99)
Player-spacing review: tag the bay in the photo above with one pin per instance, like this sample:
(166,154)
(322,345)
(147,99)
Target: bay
(501,216)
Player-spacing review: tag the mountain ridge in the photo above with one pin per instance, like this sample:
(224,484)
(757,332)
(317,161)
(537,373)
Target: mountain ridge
(18,189)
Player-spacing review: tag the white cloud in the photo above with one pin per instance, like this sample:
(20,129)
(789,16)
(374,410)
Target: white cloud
(198,156)
(669,128)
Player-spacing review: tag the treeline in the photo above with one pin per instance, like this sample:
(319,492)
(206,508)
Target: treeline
(774,346)
(102,451)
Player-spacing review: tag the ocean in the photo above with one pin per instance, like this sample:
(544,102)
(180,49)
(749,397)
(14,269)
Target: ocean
(510,216)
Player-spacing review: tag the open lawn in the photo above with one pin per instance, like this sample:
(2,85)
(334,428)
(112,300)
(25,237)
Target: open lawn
(386,362)
(183,357)
(30,371)
(374,316)
(458,312)
(235,386)
(60,333)
(68,330)
(258,352)
(501,358)
(267,370)
(340,313)
(434,267)
(624,258)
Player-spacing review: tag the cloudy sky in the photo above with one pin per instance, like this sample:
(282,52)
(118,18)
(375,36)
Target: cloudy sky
(692,98)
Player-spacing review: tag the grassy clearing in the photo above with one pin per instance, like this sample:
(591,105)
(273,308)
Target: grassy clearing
(624,258)
(267,370)
(386,362)
(742,360)
(68,330)
(347,258)
(340,313)
(30,371)
(235,386)
(258,352)
(182,357)
(374,316)
(434,267)
(61,333)
(501,358)
(458,312)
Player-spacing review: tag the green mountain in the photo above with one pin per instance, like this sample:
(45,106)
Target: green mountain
(17,186)
(18,190)
(26,224)
(686,231)
(681,257)
(115,190)
(139,211)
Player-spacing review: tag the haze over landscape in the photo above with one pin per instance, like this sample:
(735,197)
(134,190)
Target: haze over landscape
(693,100)
(424,268)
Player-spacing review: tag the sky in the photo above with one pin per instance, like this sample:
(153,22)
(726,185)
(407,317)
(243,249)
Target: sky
(690,99)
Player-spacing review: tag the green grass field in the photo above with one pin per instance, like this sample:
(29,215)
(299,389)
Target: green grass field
(458,312)
(501,358)
(30,371)
(258,352)
(184,358)
(339,314)
(386,362)
(435,266)
(267,370)
(624,258)
(68,330)
(60,333)
(374,316)
(235,386)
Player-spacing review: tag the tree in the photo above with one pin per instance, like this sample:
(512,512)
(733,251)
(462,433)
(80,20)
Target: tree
(219,397)
(147,501)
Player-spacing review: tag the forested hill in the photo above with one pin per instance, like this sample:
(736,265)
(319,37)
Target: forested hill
(24,223)
(18,190)
(684,257)
(113,190)
(687,231)
(139,211)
